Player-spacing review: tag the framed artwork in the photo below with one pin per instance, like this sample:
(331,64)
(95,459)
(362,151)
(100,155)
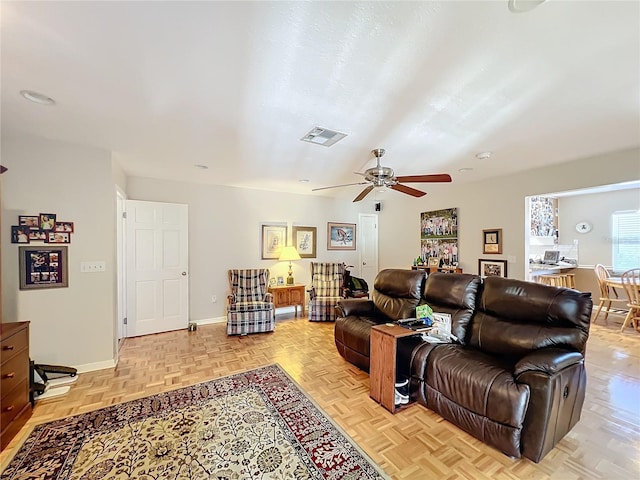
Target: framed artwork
(47,221)
(280,281)
(272,282)
(434,261)
(489,268)
(341,236)
(38,235)
(492,241)
(20,234)
(274,237)
(58,237)
(439,236)
(43,267)
(304,239)
(30,221)
(63,227)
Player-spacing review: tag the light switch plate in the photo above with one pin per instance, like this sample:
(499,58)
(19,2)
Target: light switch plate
(93,267)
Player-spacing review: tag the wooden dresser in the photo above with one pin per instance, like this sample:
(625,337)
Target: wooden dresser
(15,408)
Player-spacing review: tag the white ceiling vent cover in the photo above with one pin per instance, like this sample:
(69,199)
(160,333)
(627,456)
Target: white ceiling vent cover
(323,136)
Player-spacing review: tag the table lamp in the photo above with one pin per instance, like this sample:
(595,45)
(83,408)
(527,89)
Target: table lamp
(287,255)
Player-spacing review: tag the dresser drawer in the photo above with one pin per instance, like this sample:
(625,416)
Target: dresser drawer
(14,371)
(13,403)
(14,344)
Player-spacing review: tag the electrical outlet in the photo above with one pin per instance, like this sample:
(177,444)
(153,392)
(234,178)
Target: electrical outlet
(214,298)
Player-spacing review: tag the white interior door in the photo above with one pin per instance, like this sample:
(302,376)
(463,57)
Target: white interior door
(367,239)
(157,262)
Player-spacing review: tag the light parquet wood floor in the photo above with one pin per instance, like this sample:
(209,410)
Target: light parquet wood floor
(413,444)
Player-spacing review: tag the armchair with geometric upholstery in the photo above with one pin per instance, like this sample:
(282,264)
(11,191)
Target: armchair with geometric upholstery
(327,287)
(250,307)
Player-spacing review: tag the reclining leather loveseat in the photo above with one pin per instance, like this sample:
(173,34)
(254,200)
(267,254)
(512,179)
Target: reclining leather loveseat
(516,377)
(396,293)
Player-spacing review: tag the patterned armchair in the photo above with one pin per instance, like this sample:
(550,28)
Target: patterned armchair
(250,307)
(327,287)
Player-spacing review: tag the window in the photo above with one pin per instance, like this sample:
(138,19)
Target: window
(626,241)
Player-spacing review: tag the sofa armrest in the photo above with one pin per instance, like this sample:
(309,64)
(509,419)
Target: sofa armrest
(355,306)
(268,297)
(547,360)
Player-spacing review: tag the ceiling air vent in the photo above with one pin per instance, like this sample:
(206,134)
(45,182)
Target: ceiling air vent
(323,136)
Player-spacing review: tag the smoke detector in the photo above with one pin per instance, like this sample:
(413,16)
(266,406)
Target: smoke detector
(323,136)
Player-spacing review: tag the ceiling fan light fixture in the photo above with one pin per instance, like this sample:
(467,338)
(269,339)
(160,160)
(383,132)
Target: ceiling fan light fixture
(323,136)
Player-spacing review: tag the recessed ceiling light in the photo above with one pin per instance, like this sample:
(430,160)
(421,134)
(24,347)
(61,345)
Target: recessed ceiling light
(36,97)
(201,167)
(522,6)
(483,155)
(465,169)
(304,180)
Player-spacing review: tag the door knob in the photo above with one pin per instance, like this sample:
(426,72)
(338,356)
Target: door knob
(184,274)
(364,263)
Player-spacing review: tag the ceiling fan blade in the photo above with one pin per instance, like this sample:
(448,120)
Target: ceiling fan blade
(363,193)
(437,177)
(408,190)
(336,186)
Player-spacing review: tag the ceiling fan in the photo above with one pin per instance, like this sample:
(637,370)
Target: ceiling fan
(380,176)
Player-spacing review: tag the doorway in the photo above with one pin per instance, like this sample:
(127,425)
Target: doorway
(157,263)
(367,240)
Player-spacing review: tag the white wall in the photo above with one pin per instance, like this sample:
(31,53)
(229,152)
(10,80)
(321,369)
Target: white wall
(225,232)
(496,203)
(75,326)
(596,246)
(71,326)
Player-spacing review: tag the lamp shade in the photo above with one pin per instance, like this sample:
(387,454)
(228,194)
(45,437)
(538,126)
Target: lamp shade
(289,253)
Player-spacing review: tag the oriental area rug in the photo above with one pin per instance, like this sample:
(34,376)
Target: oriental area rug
(253,425)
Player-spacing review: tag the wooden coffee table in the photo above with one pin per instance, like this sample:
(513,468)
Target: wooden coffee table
(382,363)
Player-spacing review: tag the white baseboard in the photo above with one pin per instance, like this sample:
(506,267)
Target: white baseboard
(208,321)
(91,367)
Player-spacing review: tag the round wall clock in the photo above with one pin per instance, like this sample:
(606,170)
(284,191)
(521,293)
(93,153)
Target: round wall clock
(583,227)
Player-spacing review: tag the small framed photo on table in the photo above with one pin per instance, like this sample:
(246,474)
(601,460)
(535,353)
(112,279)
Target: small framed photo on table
(492,241)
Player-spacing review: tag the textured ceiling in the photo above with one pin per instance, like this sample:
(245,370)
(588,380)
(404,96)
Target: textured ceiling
(235,85)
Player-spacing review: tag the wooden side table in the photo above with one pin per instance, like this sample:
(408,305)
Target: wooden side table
(382,363)
(288,296)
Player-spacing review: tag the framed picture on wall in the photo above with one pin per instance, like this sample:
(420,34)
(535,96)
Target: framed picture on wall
(43,267)
(30,221)
(304,239)
(274,237)
(341,236)
(489,268)
(492,241)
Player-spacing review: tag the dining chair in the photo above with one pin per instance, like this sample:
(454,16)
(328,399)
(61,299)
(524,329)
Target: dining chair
(631,283)
(608,294)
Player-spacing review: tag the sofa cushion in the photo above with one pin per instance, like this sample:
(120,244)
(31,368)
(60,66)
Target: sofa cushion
(478,382)
(455,294)
(515,317)
(396,293)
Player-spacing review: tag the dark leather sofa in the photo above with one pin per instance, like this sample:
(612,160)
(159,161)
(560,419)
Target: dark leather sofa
(516,379)
(396,294)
